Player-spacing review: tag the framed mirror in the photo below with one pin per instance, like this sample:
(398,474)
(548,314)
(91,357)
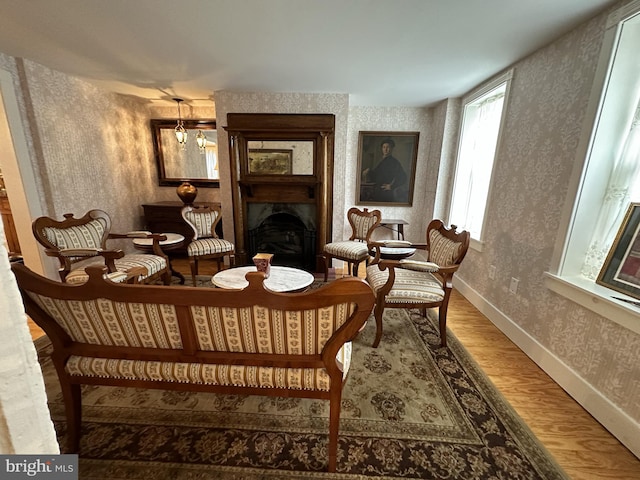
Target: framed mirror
(191,162)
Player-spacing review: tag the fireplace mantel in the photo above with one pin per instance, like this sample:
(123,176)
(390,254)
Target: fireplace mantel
(310,139)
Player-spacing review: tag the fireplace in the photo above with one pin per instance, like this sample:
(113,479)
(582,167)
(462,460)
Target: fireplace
(282,177)
(287,231)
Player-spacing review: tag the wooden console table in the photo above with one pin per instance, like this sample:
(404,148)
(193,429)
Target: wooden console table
(161,217)
(398,223)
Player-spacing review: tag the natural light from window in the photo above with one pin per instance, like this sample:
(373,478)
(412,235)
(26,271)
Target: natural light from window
(481,121)
(609,179)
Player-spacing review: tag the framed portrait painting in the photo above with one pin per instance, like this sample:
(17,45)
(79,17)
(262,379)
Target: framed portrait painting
(386,168)
(621,268)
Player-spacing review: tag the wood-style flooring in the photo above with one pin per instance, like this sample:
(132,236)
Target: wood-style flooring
(580,445)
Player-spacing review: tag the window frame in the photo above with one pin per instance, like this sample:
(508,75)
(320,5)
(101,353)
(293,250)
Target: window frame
(564,276)
(475,94)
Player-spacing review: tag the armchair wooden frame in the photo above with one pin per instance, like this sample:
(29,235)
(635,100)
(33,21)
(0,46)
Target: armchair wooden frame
(428,278)
(94,244)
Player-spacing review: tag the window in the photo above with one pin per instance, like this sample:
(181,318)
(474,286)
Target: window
(609,177)
(481,122)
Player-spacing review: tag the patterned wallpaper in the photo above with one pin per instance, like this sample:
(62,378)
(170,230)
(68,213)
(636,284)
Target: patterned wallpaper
(544,120)
(93,149)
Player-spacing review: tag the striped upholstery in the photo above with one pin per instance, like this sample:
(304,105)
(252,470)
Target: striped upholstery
(88,235)
(223,329)
(352,250)
(410,286)
(208,374)
(153,264)
(362,225)
(105,322)
(208,246)
(442,251)
(260,330)
(202,221)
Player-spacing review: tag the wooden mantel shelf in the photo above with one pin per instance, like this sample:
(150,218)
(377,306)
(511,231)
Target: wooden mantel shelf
(281,179)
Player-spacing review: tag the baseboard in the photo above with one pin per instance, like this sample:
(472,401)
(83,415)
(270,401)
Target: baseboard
(617,422)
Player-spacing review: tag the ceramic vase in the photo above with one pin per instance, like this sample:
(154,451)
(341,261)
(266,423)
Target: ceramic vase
(187,193)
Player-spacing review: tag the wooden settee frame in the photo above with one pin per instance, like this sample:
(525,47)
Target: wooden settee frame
(339,309)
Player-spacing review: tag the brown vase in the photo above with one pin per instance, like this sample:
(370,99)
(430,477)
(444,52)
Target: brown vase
(187,193)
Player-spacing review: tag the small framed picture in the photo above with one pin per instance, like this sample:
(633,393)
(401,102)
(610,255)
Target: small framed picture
(386,168)
(621,268)
(270,161)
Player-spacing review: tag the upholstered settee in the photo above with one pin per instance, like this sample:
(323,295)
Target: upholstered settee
(250,341)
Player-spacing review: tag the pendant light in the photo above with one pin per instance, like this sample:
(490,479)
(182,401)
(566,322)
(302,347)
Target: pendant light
(201,139)
(181,133)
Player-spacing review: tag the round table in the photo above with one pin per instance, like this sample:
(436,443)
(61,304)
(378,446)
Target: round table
(394,253)
(281,279)
(173,241)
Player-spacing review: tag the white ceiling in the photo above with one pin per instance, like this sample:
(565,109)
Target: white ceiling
(380,52)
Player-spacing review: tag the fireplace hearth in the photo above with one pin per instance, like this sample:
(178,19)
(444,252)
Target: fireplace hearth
(286,236)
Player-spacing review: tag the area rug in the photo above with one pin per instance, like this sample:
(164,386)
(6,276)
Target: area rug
(410,409)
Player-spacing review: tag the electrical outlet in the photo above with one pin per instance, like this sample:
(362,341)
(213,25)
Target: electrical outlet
(513,286)
(492,272)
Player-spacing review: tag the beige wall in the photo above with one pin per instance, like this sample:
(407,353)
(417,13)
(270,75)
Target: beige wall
(592,357)
(107,162)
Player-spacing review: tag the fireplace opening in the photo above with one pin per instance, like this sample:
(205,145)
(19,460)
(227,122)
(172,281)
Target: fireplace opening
(286,237)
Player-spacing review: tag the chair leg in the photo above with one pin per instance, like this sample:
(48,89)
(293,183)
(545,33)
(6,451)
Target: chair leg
(193,264)
(166,277)
(442,324)
(334,424)
(327,265)
(73,410)
(356,267)
(378,311)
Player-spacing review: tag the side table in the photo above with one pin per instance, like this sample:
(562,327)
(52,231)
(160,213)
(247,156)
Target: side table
(281,279)
(174,241)
(398,223)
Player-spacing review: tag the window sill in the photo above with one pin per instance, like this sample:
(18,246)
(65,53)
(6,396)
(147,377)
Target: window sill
(476,244)
(596,298)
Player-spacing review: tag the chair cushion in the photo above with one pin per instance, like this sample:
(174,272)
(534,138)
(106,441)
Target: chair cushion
(351,250)
(209,246)
(152,263)
(206,374)
(409,287)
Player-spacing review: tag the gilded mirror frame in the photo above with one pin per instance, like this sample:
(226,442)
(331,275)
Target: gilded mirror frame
(157,127)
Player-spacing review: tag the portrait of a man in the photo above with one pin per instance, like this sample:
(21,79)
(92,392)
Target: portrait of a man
(387,167)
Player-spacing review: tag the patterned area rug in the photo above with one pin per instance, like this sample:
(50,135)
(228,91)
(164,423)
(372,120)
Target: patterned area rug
(410,410)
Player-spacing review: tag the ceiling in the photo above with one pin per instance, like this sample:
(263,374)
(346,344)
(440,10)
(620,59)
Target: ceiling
(380,52)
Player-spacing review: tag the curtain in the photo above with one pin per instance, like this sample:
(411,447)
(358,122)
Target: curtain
(211,156)
(477,152)
(623,188)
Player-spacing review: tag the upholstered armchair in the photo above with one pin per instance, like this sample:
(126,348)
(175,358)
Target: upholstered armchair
(423,280)
(205,243)
(81,242)
(355,250)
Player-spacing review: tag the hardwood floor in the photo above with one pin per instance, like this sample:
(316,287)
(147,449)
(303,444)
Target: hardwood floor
(582,447)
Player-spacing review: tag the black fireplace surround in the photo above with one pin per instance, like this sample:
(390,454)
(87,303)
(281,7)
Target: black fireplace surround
(288,231)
